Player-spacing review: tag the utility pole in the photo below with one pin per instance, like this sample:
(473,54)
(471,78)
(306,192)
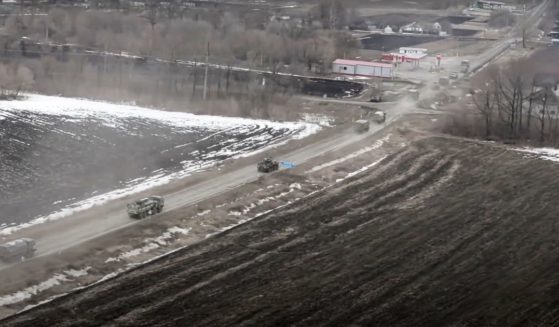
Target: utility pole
(205,94)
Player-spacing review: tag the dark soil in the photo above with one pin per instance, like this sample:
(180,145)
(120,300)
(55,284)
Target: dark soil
(446,232)
(384,42)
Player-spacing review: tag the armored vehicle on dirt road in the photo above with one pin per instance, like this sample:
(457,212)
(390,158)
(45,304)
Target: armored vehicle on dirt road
(18,249)
(267,165)
(379,117)
(361,126)
(147,206)
(465,66)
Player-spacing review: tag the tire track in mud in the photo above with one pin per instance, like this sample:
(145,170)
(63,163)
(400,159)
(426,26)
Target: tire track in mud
(476,236)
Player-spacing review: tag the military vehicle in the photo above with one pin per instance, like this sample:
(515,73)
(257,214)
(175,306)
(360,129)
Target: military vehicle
(267,165)
(18,249)
(147,206)
(465,66)
(376,98)
(361,126)
(414,94)
(379,117)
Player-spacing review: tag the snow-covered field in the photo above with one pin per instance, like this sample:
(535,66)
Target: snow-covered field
(60,155)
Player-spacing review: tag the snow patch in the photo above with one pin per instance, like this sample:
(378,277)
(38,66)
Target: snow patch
(203,213)
(115,115)
(375,146)
(33,290)
(77,273)
(550,154)
(151,244)
(248,208)
(322,120)
(359,171)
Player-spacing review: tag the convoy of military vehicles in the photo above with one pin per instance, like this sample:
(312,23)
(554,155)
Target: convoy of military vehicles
(25,248)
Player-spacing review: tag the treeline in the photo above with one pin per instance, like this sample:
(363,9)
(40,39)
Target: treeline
(13,78)
(517,102)
(309,43)
(163,85)
(234,39)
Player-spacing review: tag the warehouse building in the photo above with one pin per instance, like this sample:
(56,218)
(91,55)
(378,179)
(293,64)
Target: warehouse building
(363,68)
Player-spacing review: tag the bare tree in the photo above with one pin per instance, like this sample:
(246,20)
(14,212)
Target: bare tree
(543,115)
(23,78)
(485,102)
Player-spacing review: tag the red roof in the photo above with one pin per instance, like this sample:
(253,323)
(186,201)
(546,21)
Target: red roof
(361,63)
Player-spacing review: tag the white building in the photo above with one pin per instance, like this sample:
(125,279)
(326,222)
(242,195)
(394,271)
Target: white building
(363,68)
(413,51)
(414,28)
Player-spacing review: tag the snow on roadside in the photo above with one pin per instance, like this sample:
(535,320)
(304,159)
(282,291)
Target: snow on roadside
(322,120)
(550,154)
(151,244)
(360,170)
(375,146)
(203,213)
(33,290)
(292,188)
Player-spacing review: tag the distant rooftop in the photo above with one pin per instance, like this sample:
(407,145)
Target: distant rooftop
(361,63)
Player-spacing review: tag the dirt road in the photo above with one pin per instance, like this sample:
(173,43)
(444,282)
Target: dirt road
(445,232)
(102,221)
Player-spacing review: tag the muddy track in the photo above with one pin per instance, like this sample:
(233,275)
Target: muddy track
(445,232)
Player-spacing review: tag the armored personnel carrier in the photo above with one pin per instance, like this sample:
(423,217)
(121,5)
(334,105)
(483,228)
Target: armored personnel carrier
(267,165)
(144,207)
(361,126)
(379,117)
(22,248)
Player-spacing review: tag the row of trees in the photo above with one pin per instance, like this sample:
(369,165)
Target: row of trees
(288,46)
(162,85)
(513,103)
(232,41)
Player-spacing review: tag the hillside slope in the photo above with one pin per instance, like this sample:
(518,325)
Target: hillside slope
(445,232)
